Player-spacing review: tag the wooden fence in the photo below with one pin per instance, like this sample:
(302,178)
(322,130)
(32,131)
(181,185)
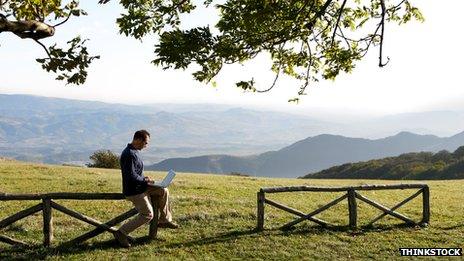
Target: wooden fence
(48,203)
(351,194)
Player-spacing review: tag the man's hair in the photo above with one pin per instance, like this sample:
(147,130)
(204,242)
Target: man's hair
(141,135)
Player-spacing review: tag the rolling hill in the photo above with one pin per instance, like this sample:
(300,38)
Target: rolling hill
(313,154)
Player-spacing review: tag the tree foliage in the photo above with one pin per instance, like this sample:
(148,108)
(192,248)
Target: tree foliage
(29,19)
(308,40)
(104,159)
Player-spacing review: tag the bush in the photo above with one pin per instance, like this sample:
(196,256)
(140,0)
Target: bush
(238,174)
(104,159)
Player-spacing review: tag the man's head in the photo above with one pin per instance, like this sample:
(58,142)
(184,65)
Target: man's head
(141,139)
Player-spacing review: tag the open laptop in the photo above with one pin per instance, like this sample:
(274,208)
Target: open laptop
(166,181)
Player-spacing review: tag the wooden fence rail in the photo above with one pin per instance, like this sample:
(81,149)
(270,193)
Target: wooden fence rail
(48,203)
(352,195)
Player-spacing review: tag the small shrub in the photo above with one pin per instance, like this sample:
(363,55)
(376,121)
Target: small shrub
(238,174)
(104,159)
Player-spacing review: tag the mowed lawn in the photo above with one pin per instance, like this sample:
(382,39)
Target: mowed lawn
(217,215)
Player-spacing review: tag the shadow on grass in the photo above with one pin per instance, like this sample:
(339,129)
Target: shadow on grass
(38,252)
(220,238)
(315,230)
(454,227)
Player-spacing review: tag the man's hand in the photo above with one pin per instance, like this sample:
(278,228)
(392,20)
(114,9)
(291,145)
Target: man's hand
(149,180)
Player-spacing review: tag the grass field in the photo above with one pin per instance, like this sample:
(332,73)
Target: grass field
(217,215)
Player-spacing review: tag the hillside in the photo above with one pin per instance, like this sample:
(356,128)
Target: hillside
(222,164)
(313,154)
(217,215)
(423,165)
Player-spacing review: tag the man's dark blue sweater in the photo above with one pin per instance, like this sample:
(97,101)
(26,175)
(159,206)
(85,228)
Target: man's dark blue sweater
(133,180)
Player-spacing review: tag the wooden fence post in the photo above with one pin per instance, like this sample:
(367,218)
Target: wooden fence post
(352,208)
(260,210)
(47,222)
(425,206)
(153,230)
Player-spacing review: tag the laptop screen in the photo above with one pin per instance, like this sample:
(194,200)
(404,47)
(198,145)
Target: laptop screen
(168,179)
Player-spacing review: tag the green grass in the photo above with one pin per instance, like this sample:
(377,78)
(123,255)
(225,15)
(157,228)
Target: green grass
(217,215)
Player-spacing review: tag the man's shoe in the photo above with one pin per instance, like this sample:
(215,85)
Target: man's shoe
(122,239)
(168,224)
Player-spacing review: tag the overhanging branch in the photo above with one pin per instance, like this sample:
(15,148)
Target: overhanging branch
(382,32)
(338,21)
(64,21)
(27,29)
(44,47)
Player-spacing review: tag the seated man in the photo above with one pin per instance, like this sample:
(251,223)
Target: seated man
(137,190)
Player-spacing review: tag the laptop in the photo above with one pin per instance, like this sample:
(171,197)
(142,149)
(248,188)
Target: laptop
(166,181)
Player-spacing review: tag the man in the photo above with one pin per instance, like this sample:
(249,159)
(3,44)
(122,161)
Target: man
(136,187)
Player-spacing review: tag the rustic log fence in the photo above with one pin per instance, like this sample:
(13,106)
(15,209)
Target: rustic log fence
(48,203)
(352,195)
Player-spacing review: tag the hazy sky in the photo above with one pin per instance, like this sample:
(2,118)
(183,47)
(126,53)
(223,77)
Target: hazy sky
(425,71)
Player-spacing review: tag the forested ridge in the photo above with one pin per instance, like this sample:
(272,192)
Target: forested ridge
(421,165)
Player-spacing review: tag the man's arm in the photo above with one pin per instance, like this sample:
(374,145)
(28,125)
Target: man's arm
(128,170)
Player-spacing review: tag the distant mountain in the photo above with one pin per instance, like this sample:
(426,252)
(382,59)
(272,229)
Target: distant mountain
(313,154)
(441,123)
(32,106)
(208,164)
(56,130)
(423,165)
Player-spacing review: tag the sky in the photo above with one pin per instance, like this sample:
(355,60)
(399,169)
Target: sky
(424,73)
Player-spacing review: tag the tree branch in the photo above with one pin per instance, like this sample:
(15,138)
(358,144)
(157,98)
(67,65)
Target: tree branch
(175,6)
(382,31)
(44,47)
(38,14)
(308,70)
(67,18)
(320,13)
(27,29)
(338,21)
(281,47)
(398,5)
